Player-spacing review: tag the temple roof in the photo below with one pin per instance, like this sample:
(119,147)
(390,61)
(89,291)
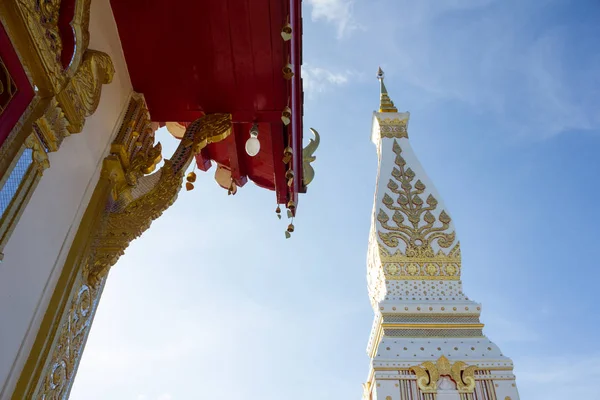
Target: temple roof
(228,56)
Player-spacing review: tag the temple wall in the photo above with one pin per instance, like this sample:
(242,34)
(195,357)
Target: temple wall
(37,249)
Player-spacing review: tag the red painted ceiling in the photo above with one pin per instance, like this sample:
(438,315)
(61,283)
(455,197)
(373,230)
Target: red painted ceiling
(190,57)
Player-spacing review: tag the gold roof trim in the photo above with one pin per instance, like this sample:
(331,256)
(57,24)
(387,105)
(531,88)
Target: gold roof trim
(385,103)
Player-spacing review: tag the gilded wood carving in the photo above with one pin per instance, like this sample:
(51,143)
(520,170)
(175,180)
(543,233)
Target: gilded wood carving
(133,200)
(136,206)
(65,92)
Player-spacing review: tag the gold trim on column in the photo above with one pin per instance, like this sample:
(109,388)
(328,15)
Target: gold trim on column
(39,162)
(63,97)
(124,204)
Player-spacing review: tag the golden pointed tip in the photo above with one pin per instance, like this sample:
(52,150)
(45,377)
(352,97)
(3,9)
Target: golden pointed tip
(385,103)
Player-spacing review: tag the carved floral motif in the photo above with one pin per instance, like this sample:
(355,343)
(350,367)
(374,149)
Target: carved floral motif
(429,373)
(393,128)
(41,17)
(414,225)
(71,340)
(137,199)
(81,95)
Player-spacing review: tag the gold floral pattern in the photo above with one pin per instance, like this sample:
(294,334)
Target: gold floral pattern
(393,128)
(410,222)
(134,201)
(429,373)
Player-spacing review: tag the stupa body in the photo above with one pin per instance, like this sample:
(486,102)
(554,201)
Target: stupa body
(426,341)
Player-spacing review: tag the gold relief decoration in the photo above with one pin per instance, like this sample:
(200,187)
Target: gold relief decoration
(308,158)
(80,25)
(393,128)
(38,154)
(139,200)
(33,27)
(81,95)
(414,224)
(428,374)
(366,390)
(41,18)
(70,344)
(8,88)
(52,126)
(132,200)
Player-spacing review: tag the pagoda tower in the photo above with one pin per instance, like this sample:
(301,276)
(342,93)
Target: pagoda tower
(426,342)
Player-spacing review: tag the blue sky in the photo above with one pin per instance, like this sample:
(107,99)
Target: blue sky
(213,303)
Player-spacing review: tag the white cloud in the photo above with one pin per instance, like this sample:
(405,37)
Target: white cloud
(337,12)
(318,80)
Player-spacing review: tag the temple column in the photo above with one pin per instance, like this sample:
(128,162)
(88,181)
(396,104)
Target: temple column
(53,156)
(125,202)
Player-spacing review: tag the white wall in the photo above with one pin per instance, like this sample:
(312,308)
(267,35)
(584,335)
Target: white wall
(37,249)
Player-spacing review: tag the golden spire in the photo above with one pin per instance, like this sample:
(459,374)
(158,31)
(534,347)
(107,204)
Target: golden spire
(385,103)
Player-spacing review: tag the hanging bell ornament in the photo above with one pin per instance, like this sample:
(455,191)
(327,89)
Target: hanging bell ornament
(290,228)
(189,186)
(191,177)
(278,210)
(287,155)
(288,70)
(232,189)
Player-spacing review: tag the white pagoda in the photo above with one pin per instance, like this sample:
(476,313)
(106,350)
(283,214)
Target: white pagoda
(426,342)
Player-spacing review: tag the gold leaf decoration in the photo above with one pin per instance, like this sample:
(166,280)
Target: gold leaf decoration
(415,226)
(135,207)
(428,374)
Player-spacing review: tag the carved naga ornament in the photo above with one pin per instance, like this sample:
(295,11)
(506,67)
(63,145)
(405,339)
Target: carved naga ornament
(308,158)
(137,201)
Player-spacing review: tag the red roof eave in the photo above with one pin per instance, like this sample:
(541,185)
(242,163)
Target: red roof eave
(297,98)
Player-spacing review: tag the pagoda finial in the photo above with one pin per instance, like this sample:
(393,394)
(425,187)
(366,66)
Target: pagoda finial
(385,103)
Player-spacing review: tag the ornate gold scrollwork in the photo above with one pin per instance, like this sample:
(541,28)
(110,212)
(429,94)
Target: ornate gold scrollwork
(80,97)
(76,87)
(69,347)
(428,374)
(38,154)
(41,18)
(64,95)
(52,126)
(415,225)
(134,207)
(393,128)
(132,201)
